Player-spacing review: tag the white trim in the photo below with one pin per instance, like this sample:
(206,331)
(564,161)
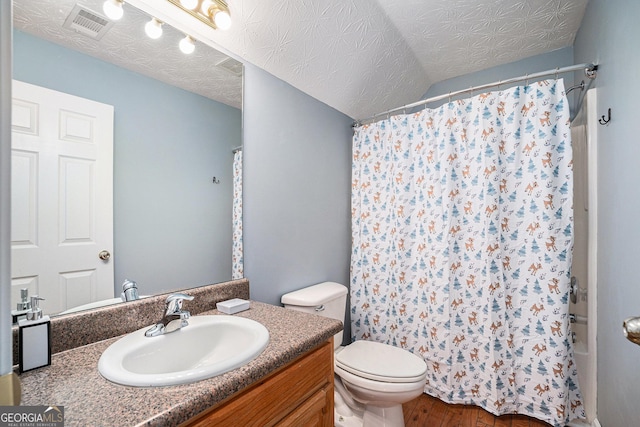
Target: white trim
(6,41)
(592,245)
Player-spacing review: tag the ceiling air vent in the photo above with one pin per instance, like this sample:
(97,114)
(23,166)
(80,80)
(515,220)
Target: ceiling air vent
(231,65)
(87,22)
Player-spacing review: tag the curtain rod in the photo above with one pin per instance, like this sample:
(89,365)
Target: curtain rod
(589,71)
(235,150)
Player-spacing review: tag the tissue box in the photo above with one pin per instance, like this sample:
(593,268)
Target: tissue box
(233,306)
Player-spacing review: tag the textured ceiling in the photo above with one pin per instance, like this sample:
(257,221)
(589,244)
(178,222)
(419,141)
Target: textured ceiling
(366,56)
(362,57)
(127,46)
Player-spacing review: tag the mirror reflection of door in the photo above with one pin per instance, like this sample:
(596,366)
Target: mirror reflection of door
(62,204)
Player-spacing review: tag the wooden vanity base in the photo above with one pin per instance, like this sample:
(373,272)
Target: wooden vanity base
(299,394)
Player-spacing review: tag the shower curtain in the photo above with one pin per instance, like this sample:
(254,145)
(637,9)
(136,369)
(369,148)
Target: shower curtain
(462,238)
(237,251)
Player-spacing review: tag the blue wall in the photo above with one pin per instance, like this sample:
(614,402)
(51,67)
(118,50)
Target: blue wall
(609,36)
(168,145)
(297,186)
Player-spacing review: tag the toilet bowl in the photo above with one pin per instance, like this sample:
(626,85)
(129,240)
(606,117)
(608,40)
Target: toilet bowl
(381,378)
(372,379)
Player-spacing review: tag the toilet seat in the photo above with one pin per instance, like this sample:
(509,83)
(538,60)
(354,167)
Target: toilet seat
(349,379)
(380,362)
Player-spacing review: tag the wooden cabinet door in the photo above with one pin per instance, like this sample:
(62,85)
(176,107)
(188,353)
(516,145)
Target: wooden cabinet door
(317,411)
(300,394)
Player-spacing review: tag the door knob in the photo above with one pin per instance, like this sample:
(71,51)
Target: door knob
(104,255)
(631,329)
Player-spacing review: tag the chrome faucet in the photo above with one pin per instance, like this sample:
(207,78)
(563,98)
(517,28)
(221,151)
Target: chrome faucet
(174,317)
(129,291)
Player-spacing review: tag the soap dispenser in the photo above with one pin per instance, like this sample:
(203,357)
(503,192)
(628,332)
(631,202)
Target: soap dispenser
(23,306)
(34,335)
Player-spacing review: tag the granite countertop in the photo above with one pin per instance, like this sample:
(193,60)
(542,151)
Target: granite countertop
(73,380)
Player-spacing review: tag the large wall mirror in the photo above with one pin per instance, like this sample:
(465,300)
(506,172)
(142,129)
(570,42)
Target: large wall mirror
(177,122)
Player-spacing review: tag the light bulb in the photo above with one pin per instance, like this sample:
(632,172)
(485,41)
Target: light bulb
(113,9)
(204,7)
(187,45)
(222,20)
(189,4)
(153,28)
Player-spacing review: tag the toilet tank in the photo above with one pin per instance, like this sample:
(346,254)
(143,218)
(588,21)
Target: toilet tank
(328,299)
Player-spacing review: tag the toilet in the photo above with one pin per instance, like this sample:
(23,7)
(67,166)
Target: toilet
(372,379)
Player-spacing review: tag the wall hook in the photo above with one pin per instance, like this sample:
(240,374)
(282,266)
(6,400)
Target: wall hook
(216,180)
(604,121)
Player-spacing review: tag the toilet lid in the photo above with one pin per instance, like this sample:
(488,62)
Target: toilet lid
(381,362)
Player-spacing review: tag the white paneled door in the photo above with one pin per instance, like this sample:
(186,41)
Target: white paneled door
(61,197)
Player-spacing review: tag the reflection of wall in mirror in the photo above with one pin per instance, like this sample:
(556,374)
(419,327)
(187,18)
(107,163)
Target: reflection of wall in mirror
(172,225)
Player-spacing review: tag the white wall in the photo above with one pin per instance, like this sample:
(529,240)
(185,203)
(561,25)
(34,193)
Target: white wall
(297,175)
(609,35)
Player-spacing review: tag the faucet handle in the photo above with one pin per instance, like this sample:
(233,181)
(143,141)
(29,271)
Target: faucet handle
(184,315)
(174,302)
(179,296)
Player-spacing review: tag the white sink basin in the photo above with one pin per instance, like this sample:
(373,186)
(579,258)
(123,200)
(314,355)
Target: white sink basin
(208,346)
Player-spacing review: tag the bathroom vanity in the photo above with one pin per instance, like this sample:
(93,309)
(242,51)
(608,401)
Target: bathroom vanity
(301,393)
(290,383)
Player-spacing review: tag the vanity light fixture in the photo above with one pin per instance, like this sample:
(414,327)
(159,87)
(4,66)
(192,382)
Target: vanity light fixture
(214,13)
(187,45)
(153,28)
(113,9)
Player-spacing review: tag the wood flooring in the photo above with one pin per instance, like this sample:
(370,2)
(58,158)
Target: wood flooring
(427,411)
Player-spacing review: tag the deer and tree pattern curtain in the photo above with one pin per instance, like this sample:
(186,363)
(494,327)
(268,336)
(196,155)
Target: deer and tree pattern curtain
(237,257)
(462,243)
